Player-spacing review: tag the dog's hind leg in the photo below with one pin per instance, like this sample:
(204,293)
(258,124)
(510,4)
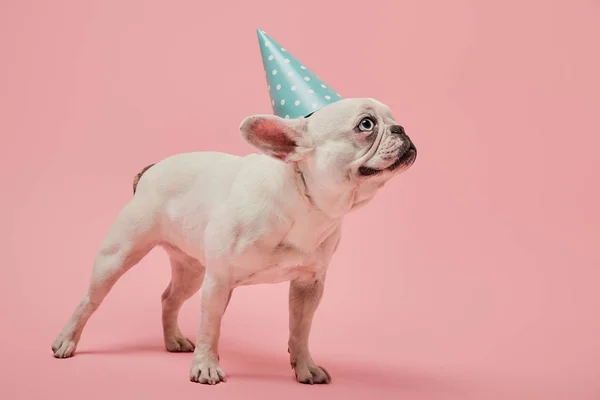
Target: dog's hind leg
(186,280)
(129,239)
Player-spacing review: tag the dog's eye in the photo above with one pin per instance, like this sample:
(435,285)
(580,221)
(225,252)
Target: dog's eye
(366,124)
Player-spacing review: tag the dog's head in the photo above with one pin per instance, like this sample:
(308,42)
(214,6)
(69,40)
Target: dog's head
(345,143)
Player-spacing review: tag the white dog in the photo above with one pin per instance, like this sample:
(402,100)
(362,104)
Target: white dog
(227,221)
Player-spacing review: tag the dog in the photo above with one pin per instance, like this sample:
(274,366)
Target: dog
(271,217)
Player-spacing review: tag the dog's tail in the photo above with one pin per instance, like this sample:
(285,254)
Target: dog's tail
(136,179)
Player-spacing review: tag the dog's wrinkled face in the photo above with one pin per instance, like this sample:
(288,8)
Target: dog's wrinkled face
(364,138)
(351,140)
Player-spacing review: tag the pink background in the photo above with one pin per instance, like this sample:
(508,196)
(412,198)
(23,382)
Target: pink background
(473,276)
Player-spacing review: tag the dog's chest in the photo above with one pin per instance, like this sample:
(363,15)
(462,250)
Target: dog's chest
(298,255)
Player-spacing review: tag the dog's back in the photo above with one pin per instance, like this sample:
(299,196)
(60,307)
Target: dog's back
(178,172)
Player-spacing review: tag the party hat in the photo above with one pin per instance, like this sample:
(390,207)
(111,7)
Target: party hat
(295,91)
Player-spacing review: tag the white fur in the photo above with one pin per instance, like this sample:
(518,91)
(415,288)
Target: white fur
(227,221)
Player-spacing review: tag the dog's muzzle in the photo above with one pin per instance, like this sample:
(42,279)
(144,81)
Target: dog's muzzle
(407,153)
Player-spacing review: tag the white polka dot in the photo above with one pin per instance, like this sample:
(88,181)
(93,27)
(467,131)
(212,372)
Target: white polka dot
(294,88)
(271,57)
(272,102)
(282,49)
(306,78)
(274,72)
(267,44)
(287,60)
(303,67)
(290,73)
(338,95)
(287,117)
(278,87)
(314,105)
(282,102)
(310,91)
(269,87)
(323,86)
(297,102)
(328,97)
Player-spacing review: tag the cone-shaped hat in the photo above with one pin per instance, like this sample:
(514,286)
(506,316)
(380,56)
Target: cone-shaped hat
(295,91)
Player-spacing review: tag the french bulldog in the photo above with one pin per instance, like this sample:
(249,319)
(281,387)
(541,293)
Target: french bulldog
(227,221)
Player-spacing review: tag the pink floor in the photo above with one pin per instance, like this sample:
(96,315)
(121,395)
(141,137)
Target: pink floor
(482,337)
(475,275)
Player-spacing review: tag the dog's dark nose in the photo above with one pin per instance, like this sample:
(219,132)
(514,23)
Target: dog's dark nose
(397,130)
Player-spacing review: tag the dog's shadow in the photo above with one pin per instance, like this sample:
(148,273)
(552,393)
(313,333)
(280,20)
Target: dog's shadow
(123,349)
(251,365)
(271,367)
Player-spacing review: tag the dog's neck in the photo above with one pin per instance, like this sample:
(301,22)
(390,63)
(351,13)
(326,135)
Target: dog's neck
(333,200)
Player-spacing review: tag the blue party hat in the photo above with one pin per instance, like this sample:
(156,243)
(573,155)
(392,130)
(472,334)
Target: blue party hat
(295,90)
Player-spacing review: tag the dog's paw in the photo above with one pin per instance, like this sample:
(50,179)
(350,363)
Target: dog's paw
(179,344)
(64,347)
(311,374)
(206,371)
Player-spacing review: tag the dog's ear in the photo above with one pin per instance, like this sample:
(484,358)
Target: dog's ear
(284,139)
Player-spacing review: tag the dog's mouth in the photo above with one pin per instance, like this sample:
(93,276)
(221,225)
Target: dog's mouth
(407,158)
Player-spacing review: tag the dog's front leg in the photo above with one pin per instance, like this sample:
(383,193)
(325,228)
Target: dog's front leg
(215,294)
(304,300)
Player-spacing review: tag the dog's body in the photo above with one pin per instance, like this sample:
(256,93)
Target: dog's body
(267,227)
(227,221)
